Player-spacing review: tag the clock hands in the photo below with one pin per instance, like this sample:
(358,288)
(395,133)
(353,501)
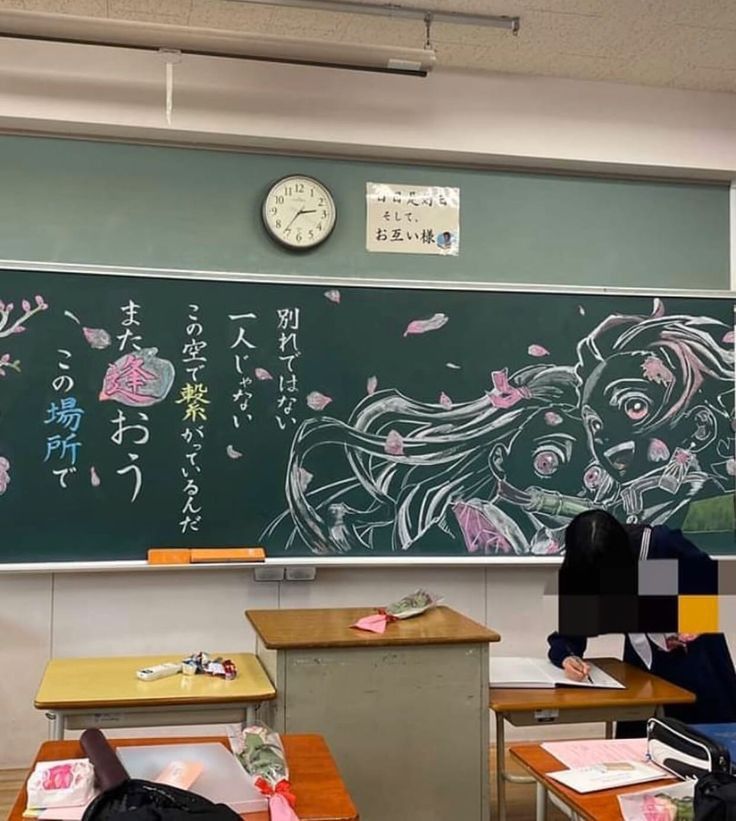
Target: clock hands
(299,213)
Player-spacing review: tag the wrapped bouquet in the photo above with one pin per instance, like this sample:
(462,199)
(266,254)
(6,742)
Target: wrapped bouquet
(413,605)
(259,750)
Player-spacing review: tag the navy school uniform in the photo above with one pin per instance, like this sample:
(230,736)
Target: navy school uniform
(704,666)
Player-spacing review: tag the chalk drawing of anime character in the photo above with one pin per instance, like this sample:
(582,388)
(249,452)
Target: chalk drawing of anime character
(657,403)
(416,467)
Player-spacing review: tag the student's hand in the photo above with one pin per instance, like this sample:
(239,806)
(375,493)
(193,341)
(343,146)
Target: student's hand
(575,668)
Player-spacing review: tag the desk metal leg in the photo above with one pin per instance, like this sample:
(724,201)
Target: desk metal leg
(57,724)
(500,767)
(250,715)
(609,729)
(541,802)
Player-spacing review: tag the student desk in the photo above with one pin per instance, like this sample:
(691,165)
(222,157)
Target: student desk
(405,712)
(104,692)
(642,698)
(596,806)
(319,790)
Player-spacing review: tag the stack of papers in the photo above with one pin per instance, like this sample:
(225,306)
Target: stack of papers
(608,776)
(540,673)
(597,751)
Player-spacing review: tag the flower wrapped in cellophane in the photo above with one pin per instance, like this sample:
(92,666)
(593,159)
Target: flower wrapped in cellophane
(413,605)
(259,750)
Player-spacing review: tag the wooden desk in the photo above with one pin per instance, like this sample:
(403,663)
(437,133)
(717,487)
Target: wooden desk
(644,695)
(405,712)
(320,792)
(597,806)
(104,692)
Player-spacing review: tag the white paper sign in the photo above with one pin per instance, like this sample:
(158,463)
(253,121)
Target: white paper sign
(412,219)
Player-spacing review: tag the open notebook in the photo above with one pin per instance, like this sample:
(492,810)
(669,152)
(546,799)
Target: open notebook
(540,673)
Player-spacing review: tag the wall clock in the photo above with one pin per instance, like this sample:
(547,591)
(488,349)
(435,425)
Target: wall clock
(299,212)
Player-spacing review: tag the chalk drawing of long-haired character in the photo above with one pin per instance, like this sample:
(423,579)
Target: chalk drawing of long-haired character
(657,403)
(414,467)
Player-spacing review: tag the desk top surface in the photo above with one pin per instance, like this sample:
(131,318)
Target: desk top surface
(320,792)
(642,689)
(598,806)
(302,629)
(79,683)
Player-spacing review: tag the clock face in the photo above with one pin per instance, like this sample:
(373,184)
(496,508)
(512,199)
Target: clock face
(299,212)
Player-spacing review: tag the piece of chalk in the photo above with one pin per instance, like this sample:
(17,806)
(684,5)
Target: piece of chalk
(227,554)
(169,555)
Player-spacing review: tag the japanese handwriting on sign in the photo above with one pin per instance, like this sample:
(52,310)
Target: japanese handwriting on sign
(63,383)
(135,379)
(137,476)
(287,324)
(194,397)
(193,352)
(242,346)
(129,324)
(412,219)
(66,414)
(64,417)
(135,433)
(64,447)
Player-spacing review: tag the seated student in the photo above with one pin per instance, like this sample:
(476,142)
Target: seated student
(600,567)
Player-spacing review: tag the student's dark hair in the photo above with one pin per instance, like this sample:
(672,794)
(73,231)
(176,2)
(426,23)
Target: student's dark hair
(595,543)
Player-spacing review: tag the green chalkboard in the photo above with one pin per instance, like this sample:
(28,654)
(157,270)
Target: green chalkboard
(353,420)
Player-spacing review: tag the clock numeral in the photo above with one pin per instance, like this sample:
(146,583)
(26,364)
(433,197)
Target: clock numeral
(321,203)
(299,188)
(278,223)
(311,234)
(274,211)
(319,226)
(324,215)
(279,200)
(289,191)
(287,231)
(298,237)
(311,192)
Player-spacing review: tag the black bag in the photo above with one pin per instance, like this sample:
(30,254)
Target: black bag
(136,800)
(684,751)
(715,798)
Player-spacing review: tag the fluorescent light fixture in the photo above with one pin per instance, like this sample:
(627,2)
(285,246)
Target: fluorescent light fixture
(429,14)
(102,31)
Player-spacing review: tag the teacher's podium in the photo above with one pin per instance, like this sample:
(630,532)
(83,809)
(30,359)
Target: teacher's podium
(405,713)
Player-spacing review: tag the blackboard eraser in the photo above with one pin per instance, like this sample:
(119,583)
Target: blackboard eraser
(227,554)
(169,555)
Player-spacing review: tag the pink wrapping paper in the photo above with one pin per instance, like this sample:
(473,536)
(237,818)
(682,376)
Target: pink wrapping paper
(374,624)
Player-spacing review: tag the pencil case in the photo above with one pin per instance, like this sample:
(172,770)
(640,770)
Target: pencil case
(683,751)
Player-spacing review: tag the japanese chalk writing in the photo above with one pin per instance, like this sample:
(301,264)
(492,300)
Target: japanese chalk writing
(64,415)
(288,349)
(195,400)
(125,381)
(240,350)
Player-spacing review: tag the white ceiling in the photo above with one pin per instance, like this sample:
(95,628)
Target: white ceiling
(674,43)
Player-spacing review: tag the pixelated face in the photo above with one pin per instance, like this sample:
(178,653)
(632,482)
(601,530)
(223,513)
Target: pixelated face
(624,409)
(549,451)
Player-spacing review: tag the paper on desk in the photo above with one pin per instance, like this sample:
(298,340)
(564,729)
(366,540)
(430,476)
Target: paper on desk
(608,776)
(597,751)
(62,814)
(533,673)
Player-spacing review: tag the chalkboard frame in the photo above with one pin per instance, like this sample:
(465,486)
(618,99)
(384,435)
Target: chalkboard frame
(343,282)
